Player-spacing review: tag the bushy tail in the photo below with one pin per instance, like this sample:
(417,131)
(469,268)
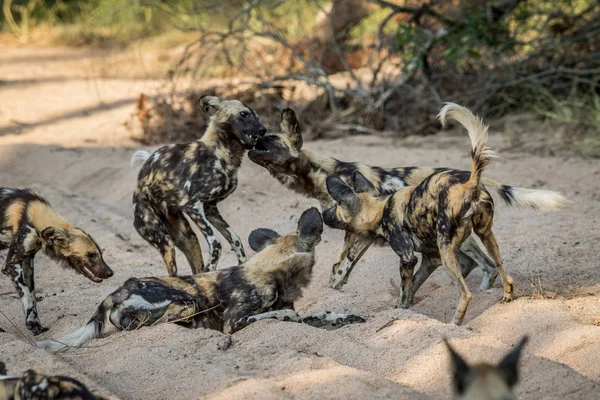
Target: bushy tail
(481,154)
(139,158)
(539,200)
(98,326)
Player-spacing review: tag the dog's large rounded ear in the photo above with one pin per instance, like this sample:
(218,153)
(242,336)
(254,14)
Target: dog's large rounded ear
(210,104)
(509,366)
(310,223)
(362,184)
(291,127)
(57,238)
(261,238)
(460,370)
(343,195)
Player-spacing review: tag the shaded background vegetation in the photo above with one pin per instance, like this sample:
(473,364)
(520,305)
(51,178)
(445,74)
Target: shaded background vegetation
(350,66)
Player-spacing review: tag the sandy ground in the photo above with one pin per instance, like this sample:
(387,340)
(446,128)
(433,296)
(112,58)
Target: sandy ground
(61,131)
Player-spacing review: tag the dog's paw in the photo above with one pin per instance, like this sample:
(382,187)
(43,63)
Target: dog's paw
(36,328)
(507,298)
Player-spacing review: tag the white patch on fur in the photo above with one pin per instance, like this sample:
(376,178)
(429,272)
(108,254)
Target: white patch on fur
(543,200)
(75,339)
(280,315)
(140,303)
(139,158)
(392,184)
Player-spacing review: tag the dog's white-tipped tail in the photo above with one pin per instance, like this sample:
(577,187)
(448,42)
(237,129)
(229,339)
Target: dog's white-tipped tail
(73,340)
(481,154)
(539,200)
(139,158)
(99,325)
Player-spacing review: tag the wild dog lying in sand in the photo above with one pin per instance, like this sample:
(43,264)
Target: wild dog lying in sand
(28,224)
(306,172)
(192,178)
(35,386)
(226,300)
(484,381)
(434,217)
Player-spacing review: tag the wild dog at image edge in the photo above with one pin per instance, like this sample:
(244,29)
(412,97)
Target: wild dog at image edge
(484,381)
(226,300)
(28,224)
(433,218)
(305,172)
(191,179)
(32,385)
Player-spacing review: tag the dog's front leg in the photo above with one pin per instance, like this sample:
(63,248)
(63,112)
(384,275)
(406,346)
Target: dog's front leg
(198,215)
(19,267)
(328,318)
(356,246)
(216,220)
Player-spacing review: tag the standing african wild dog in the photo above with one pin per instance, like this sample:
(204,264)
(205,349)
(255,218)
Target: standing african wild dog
(28,224)
(434,217)
(226,300)
(191,178)
(306,172)
(484,381)
(33,385)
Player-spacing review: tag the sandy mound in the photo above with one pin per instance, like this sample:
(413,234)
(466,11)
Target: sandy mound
(55,136)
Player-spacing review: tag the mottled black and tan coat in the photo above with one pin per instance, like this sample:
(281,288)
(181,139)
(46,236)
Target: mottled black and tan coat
(225,300)
(191,179)
(29,224)
(306,172)
(434,217)
(33,385)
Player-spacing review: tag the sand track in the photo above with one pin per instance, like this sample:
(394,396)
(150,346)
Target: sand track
(61,132)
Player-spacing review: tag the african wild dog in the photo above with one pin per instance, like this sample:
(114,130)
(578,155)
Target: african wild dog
(306,172)
(35,386)
(28,224)
(191,178)
(226,300)
(434,217)
(484,381)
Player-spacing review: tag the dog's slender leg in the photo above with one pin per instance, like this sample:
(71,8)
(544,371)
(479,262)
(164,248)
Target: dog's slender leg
(349,239)
(489,241)
(187,241)
(429,264)
(19,268)
(472,250)
(328,318)
(197,214)
(358,247)
(406,278)
(216,220)
(451,264)
(152,229)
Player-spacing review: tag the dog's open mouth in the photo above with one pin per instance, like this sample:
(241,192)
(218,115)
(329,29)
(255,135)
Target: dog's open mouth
(90,275)
(260,148)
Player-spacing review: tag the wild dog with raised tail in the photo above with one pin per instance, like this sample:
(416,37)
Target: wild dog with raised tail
(484,381)
(192,178)
(306,172)
(226,300)
(28,224)
(434,217)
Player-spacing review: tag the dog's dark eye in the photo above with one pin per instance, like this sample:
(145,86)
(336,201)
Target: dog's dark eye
(93,256)
(244,114)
